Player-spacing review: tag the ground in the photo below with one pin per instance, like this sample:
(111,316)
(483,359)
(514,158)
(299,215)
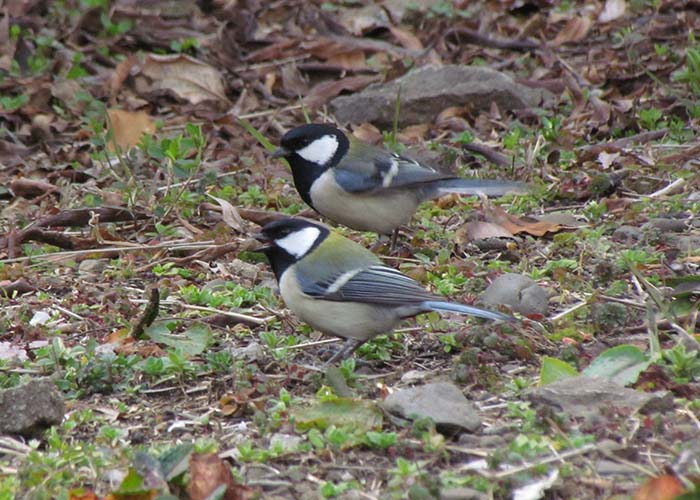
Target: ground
(135,165)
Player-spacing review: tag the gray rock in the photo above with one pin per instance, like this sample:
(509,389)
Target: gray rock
(519,292)
(443,402)
(287,442)
(462,493)
(90,267)
(627,234)
(427,91)
(30,408)
(606,467)
(587,396)
(667,225)
(252,351)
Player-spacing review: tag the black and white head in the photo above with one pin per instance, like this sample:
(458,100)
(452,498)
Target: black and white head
(316,144)
(288,240)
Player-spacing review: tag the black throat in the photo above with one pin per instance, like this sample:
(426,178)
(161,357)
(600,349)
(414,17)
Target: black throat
(279,260)
(305,173)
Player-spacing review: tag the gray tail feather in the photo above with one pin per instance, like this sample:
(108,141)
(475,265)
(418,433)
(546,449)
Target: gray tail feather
(476,186)
(436,305)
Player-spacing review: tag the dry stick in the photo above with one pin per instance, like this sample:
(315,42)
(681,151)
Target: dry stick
(490,154)
(238,316)
(74,253)
(571,309)
(678,183)
(472,36)
(554,458)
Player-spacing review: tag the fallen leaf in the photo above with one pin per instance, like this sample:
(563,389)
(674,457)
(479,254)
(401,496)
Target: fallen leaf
(128,127)
(120,74)
(324,91)
(574,31)
(481,230)
(230,214)
(29,188)
(185,76)
(613,9)
(10,351)
(209,473)
(665,487)
(514,224)
(83,494)
(406,38)
(368,133)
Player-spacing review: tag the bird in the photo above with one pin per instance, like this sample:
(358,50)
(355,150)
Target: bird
(340,288)
(365,187)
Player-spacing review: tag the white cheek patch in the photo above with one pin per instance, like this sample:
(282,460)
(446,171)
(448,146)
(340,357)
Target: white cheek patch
(299,242)
(321,150)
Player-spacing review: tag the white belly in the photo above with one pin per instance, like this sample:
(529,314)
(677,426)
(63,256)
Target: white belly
(380,212)
(343,319)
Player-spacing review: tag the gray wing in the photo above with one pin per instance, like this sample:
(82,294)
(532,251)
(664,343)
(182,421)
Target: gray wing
(368,168)
(378,284)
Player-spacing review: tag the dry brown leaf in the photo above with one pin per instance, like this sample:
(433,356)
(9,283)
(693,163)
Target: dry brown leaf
(83,494)
(207,473)
(413,133)
(514,224)
(574,31)
(350,60)
(128,127)
(665,487)
(293,82)
(368,133)
(185,76)
(364,19)
(481,230)
(230,214)
(120,74)
(406,38)
(29,188)
(324,91)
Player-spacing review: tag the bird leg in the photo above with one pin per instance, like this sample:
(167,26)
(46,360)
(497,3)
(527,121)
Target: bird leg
(394,239)
(345,351)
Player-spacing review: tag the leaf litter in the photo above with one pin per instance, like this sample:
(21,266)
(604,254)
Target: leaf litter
(120,124)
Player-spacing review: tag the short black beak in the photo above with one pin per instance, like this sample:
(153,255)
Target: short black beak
(266,243)
(280,152)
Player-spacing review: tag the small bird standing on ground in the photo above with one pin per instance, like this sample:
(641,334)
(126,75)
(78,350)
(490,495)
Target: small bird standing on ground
(365,187)
(340,288)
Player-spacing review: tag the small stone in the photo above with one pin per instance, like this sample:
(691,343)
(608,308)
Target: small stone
(611,468)
(250,352)
(30,408)
(287,442)
(627,235)
(91,267)
(426,91)
(667,225)
(247,270)
(588,397)
(443,402)
(462,493)
(519,292)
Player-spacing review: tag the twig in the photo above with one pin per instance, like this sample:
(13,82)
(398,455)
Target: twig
(74,253)
(68,313)
(568,311)
(678,183)
(553,458)
(472,36)
(238,316)
(308,344)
